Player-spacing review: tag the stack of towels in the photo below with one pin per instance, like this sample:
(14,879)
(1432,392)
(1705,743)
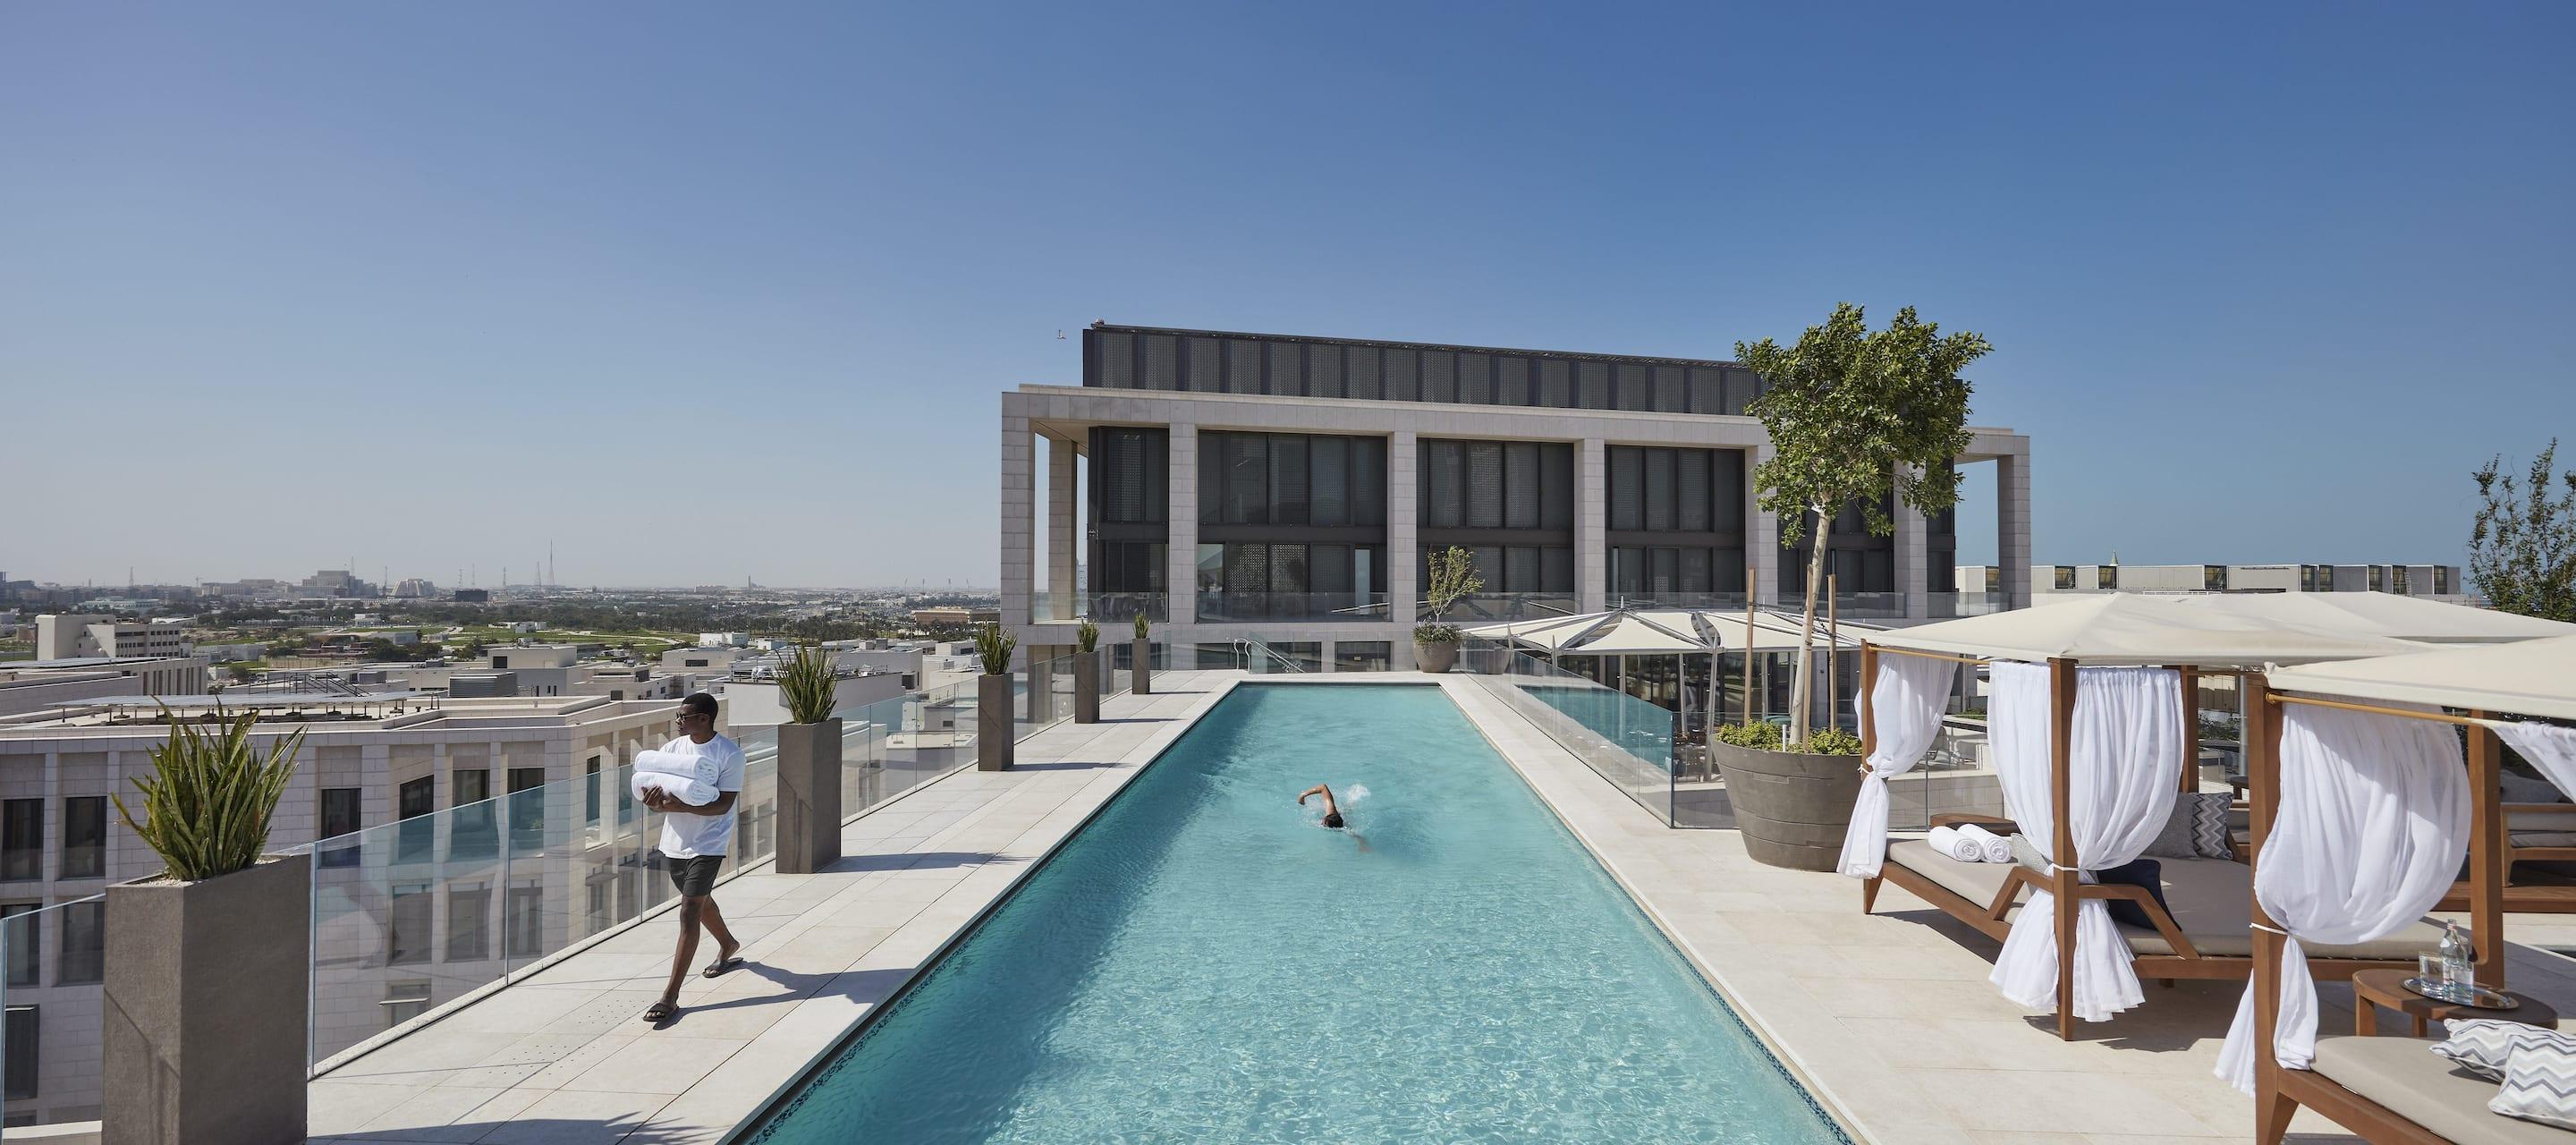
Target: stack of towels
(1969,843)
(690,778)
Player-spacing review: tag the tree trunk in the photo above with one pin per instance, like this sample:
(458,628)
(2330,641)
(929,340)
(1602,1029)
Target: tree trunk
(1802,694)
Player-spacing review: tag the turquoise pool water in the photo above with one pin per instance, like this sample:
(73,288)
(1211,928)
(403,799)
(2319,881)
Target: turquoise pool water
(1203,962)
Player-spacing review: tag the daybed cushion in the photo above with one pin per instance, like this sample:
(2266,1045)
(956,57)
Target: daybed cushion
(2539,1087)
(2403,1075)
(2212,900)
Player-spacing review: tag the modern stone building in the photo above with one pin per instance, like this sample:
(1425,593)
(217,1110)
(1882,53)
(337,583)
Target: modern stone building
(1289,488)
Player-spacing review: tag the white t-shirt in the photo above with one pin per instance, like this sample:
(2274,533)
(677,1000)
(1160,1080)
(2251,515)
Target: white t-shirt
(686,835)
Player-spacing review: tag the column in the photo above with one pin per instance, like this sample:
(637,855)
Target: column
(1019,524)
(1913,567)
(1761,534)
(2012,525)
(1064,529)
(1591,524)
(1403,552)
(1181,536)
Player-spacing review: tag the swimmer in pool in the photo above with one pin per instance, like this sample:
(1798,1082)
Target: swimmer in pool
(1332,811)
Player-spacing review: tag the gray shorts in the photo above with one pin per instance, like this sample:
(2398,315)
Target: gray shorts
(696,877)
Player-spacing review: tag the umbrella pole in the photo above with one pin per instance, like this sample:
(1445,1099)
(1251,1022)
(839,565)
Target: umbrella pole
(1833,624)
(1748,644)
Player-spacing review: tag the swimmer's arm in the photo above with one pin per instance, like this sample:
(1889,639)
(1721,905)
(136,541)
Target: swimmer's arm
(1318,789)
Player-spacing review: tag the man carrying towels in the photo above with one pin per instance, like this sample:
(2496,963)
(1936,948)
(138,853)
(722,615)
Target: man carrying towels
(695,839)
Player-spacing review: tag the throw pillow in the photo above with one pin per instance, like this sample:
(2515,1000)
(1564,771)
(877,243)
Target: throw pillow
(2197,829)
(2146,873)
(2539,1085)
(2482,1046)
(2525,789)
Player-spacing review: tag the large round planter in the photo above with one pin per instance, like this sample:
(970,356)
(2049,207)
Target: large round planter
(1791,807)
(1435,656)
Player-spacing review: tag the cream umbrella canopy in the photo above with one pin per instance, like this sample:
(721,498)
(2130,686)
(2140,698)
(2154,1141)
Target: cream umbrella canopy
(2384,614)
(1664,632)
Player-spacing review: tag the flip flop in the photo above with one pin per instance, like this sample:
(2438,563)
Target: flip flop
(660,1012)
(722,967)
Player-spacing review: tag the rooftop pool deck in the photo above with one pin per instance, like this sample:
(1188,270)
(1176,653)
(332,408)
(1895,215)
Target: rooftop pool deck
(1886,1019)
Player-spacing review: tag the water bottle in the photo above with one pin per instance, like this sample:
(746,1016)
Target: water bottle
(2458,974)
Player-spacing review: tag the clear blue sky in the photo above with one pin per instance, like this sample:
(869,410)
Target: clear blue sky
(704,292)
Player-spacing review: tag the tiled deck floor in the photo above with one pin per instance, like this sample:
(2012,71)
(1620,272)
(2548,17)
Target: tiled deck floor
(562,1056)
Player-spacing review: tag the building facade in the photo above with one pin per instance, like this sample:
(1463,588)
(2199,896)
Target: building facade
(2436,581)
(73,635)
(1291,489)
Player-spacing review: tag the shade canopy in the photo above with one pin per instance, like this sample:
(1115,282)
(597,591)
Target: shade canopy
(2532,678)
(1656,632)
(2384,614)
(2129,629)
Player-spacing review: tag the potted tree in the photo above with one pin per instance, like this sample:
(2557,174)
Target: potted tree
(1452,574)
(809,764)
(208,973)
(1853,415)
(1086,673)
(1144,658)
(993,745)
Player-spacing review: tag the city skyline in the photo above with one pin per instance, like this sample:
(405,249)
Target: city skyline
(704,298)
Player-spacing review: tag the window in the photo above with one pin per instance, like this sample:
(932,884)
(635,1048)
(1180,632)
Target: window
(2397,579)
(84,837)
(2442,580)
(2106,577)
(474,822)
(590,789)
(469,921)
(527,807)
(2213,578)
(407,925)
(1361,655)
(22,839)
(22,935)
(339,819)
(2325,578)
(405,999)
(22,1049)
(84,952)
(1130,471)
(2065,578)
(2378,578)
(524,934)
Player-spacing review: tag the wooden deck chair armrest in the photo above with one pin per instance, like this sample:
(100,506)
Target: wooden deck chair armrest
(2165,925)
(2014,880)
(2543,808)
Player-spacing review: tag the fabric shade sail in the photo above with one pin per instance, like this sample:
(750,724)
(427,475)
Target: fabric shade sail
(2125,750)
(2548,747)
(2127,629)
(2372,827)
(2383,614)
(1661,632)
(1905,706)
(2532,678)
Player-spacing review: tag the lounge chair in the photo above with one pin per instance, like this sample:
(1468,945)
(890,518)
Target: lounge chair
(2396,1090)
(2207,934)
(2534,833)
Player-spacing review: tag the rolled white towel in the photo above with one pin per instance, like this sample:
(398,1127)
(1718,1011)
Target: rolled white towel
(692,778)
(1992,848)
(1949,841)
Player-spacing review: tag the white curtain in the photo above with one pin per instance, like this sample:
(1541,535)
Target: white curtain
(2127,748)
(2549,747)
(1905,713)
(2373,823)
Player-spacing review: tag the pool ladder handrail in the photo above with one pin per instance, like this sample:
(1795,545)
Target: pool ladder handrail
(1246,647)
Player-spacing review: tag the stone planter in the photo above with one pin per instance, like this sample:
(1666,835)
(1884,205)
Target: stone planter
(993,746)
(206,1003)
(1791,807)
(1144,668)
(1435,655)
(809,797)
(1086,687)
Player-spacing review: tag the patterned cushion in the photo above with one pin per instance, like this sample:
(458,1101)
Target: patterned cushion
(2539,1085)
(2197,829)
(2482,1046)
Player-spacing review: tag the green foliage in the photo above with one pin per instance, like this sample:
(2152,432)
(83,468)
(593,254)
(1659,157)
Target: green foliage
(805,683)
(1143,627)
(1087,637)
(994,648)
(207,803)
(1765,737)
(1436,634)
(1831,741)
(2522,549)
(1452,575)
(2218,729)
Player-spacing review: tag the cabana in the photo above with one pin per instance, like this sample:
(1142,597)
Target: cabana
(2384,614)
(2092,732)
(1626,632)
(2362,812)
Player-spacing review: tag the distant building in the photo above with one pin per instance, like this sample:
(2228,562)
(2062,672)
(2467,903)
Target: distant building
(35,685)
(700,659)
(338,583)
(414,588)
(950,615)
(473,596)
(72,635)
(2439,581)
(723,639)
(753,703)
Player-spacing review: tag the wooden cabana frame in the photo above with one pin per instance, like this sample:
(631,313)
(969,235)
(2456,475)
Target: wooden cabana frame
(2063,883)
(2278,1092)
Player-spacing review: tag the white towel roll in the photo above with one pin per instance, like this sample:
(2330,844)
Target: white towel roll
(1992,848)
(1949,841)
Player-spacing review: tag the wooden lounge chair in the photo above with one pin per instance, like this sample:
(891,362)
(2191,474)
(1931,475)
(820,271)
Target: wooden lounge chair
(2534,833)
(2394,1091)
(2207,934)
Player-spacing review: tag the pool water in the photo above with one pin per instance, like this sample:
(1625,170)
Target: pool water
(1205,962)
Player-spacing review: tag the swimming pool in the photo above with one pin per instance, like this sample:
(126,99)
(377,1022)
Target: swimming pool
(1205,963)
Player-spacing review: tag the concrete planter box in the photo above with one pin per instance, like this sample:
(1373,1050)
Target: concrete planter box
(1791,807)
(1144,668)
(1435,655)
(1086,687)
(993,746)
(206,1002)
(809,797)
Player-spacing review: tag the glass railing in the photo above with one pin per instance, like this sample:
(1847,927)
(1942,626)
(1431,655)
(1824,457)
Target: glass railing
(1864,605)
(415,915)
(1946,605)
(1487,608)
(1218,605)
(1623,739)
(1705,601)
(1105,608)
